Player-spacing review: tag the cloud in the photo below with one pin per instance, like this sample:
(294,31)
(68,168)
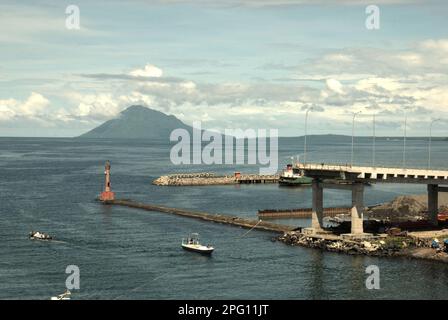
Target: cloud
(337,82)
(334,85)
(149,71)
(33,107)
(384,81)
(7,111)
(35,104)
(438,45)
(375,84)
(96,107)
(353,63)
(121,76)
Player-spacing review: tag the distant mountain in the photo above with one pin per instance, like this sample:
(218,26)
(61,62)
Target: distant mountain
(137,122)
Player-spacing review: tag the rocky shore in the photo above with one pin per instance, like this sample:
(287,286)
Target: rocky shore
(373,248)
(404,246)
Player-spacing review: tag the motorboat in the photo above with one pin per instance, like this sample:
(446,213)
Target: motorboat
(191,243)
(36,235)
(64,296)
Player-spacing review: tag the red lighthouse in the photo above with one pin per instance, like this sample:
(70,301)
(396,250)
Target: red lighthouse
(107,194)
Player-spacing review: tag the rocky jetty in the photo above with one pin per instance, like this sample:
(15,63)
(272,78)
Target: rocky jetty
(207,178)
(194,179)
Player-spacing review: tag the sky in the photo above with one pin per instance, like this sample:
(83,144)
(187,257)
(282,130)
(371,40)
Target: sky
(229,64)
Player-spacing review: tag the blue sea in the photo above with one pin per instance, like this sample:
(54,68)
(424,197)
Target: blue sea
(50,185)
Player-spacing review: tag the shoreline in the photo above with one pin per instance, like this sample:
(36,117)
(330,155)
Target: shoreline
(406,246)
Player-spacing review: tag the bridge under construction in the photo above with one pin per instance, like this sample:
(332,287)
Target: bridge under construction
(357,177)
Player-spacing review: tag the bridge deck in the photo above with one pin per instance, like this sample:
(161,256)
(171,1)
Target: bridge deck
(374,174)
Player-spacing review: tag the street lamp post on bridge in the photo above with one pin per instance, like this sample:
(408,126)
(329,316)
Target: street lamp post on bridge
(373,140)
(353,135)
(404,138)
(430,141)
(306,132)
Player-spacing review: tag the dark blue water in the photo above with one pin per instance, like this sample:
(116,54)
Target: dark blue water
(50,185)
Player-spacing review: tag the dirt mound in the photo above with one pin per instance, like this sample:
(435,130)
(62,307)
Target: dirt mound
(400,207)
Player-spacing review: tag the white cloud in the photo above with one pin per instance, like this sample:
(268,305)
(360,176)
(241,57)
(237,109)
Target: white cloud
(375,81)
(33,107)
(411,58)
(334,85)
(136,98)
(149,71)
(97,107)
(7,111)
(383,81)
(338,57)
(438,45)
(189,86)
(371,85)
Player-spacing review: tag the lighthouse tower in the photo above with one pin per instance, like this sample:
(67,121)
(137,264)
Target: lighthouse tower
(107,194)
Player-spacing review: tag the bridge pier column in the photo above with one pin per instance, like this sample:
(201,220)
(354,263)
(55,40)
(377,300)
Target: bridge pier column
(317,214)
(357,210)
(433,203)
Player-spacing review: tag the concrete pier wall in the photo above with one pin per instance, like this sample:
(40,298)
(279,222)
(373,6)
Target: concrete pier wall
(220,218)
(301,212)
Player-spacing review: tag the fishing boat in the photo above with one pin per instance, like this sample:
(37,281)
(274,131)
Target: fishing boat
(64,296)
(291,176)
(191,243)
(36,235)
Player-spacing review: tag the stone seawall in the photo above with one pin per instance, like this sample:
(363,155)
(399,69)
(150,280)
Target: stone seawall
(204,179)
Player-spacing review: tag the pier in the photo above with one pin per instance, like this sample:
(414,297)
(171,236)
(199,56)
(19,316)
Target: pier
(207,179)
(219,218)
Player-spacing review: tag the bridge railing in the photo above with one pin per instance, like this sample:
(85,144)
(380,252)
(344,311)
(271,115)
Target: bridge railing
(343,167)
(379,166)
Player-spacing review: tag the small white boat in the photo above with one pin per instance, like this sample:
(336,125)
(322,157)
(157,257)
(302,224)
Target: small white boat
(39,235)
(192,244)
(65,296)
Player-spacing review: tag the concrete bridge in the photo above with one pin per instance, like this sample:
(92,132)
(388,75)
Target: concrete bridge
(356,177)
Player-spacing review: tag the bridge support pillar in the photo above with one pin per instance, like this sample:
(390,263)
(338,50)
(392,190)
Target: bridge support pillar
(357,208)
(433,203)
(317,215)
